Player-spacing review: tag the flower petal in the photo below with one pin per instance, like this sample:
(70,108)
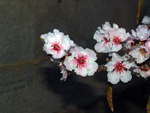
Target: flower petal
(125,76)
(113,77)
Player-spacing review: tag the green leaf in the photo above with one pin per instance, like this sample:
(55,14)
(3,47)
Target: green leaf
(42,39)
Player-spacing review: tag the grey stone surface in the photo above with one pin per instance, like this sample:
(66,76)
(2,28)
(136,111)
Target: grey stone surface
(31,85)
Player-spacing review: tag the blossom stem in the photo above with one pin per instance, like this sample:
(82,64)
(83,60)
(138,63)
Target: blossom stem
(101,68)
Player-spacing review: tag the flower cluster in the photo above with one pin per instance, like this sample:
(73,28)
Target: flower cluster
(141,51)
(69,56)
(111,40)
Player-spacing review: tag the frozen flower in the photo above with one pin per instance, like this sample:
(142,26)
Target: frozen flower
(56,43)
(142,72)
(140,54)
(82,61)
(118,69)
(146,20)
(109,38)
(142,33)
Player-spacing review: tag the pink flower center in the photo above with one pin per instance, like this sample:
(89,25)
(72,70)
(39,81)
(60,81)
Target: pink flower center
(80,61)
(56,47)
(119,67)
(116,40)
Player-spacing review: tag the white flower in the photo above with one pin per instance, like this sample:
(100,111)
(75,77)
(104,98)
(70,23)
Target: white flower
(140,54)
(109,38)
(142,33)
(143,72)
(118,35)
(82,61)
(104,45)
(146,20)
(56,43)
(118,69)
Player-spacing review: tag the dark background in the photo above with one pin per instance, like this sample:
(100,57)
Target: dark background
(30,83)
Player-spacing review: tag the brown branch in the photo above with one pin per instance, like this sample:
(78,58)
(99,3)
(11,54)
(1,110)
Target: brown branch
(101,68)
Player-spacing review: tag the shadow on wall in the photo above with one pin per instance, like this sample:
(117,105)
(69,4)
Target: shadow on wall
(79,97)
(133,98)
(128,98)
(71,91)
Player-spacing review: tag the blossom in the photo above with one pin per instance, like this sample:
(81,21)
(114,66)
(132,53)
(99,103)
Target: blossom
(56,43)
(109,38)
(118,69)
(117,36)
(142,72)
(82,61)
(104,45)
(146,20)
(142,33)
(140,54)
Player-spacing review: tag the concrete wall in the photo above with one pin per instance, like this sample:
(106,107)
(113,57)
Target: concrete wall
(30,83)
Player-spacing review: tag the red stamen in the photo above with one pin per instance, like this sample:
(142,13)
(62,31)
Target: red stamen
(56,47)
(119,67)
(81,62)
(116,40)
